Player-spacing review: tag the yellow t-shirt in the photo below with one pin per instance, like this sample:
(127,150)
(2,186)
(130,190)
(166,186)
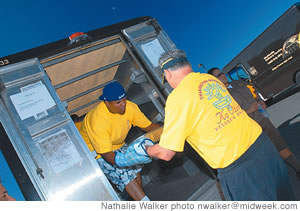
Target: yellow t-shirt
(105,132)
(78,125)
(201,111)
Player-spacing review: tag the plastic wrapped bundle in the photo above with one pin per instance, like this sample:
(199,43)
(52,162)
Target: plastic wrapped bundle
(135,153)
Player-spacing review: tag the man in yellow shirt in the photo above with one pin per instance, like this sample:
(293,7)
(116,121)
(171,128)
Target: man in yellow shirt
(104,130)
(201,111)
(241,92)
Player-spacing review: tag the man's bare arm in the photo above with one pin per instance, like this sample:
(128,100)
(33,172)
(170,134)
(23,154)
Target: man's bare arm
(160,152)
(151,127)
(109,157)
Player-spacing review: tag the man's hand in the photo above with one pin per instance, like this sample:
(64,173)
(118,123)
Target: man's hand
(252,108)
(262,104)
(141,145)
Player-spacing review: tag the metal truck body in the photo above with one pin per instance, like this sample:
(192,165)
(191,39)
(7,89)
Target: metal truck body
(42,87)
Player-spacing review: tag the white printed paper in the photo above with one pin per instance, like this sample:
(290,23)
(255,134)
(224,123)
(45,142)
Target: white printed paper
(32,100)
(59,151)
(153,51)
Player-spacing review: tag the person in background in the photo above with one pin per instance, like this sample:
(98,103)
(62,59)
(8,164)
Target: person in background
(4,194)
(104,130)
(239,90)
(201,111)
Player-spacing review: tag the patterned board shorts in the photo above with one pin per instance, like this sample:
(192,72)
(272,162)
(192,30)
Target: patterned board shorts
(119,176)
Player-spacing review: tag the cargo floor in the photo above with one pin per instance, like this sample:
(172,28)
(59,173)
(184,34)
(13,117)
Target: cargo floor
(175,185)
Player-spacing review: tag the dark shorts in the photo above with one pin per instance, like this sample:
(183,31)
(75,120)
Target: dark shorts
(119,176)
(258,175)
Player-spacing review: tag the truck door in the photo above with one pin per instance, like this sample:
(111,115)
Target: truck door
(239,73)
(42,135)
(149,41)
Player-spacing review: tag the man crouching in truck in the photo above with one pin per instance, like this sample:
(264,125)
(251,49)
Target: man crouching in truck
(201,111)
(105,128)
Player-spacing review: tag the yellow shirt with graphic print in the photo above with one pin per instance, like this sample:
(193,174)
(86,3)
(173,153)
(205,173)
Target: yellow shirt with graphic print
(201,111)
(104,131)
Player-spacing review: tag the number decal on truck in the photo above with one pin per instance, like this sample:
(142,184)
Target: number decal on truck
(4,62)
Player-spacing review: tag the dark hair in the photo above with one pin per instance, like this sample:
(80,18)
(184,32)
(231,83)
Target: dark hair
(211,70)
(75,118)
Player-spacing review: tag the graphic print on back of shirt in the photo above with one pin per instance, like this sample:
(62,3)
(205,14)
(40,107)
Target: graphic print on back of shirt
(222,99)
(216,93)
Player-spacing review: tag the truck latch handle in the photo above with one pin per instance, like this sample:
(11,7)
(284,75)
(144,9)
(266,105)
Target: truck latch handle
(39,171)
